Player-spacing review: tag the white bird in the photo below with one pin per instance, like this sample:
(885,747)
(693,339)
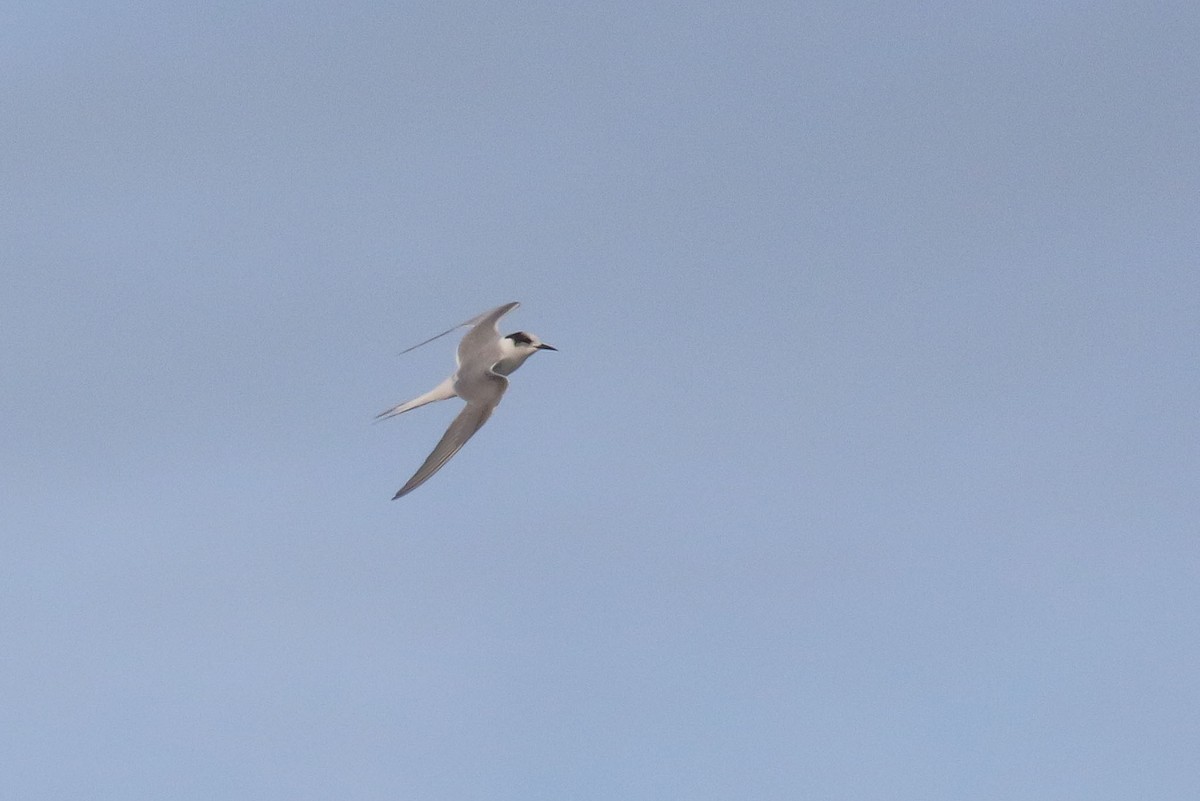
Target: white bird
(484,359)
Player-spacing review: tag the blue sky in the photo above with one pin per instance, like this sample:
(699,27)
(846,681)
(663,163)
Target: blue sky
(868,468)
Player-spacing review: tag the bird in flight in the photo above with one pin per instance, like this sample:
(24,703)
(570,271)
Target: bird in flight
(484,360)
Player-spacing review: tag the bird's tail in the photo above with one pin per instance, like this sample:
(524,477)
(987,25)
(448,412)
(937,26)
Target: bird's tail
(442,391)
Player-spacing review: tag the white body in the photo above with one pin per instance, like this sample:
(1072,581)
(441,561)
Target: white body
(484,359)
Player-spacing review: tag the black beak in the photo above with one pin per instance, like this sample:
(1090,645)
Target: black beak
(544,346)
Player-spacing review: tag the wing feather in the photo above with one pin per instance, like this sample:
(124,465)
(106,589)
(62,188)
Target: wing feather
(473,321)
(464,426)
(484,333)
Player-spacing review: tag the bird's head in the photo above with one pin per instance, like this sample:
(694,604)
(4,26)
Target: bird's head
(523,341)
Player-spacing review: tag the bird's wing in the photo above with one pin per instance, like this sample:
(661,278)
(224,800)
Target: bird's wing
(469,420)
(476,319)
(483,337)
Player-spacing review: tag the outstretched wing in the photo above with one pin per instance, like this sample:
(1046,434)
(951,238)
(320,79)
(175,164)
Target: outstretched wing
(484,336)
(469,420)
(479,318)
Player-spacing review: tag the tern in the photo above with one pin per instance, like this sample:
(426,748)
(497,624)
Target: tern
(484,360)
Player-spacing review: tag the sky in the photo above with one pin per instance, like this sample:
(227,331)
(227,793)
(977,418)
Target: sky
(868,466)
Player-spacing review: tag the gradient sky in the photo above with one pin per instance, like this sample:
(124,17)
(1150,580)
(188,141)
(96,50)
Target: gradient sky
(869,466)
